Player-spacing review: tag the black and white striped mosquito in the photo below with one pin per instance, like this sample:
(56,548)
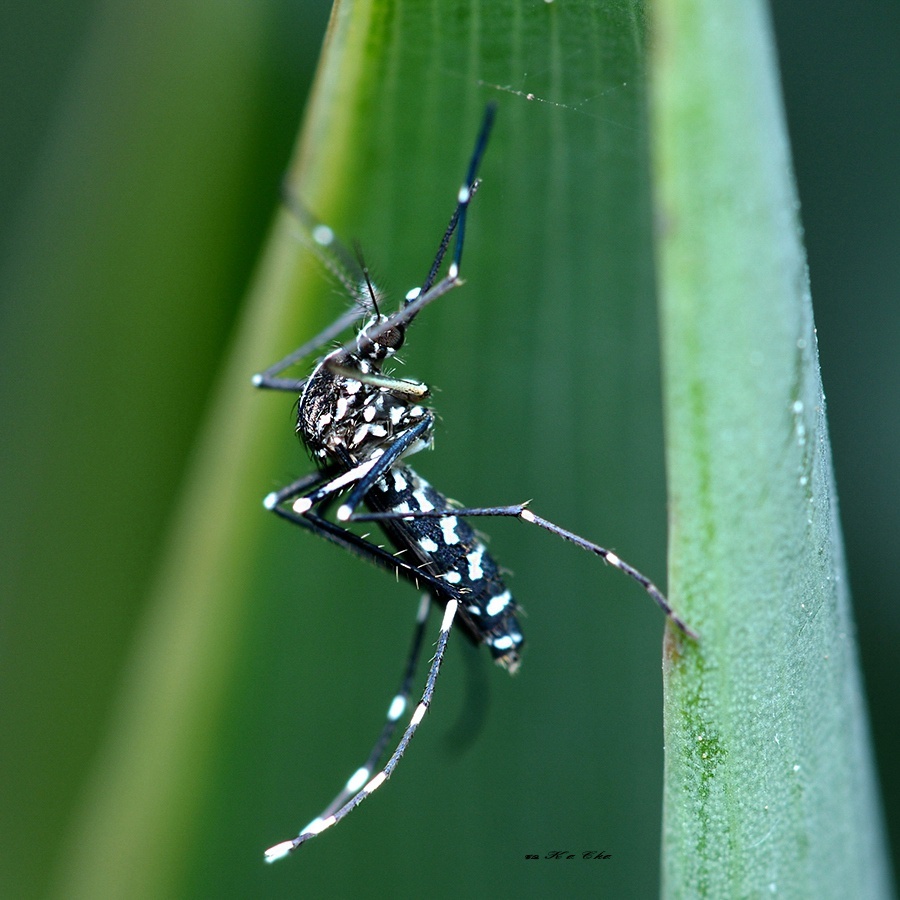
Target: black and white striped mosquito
(359,423)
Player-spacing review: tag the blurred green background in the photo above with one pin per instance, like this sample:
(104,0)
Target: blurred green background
(133,219)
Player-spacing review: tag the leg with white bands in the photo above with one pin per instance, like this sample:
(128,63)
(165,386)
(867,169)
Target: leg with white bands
(522,512)
(396,709)
(271,379)
(326,821)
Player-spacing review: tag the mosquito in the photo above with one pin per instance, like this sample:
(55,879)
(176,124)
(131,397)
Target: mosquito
(360,423)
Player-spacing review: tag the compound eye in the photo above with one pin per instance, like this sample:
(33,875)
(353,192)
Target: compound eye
(393,338)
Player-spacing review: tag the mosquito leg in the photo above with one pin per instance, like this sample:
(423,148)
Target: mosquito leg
(323,822)
(361,477)
(348,540)
(417,298)
(385,461)
(467,190)
(395,712)
(522,512)
(458,219)
(294,489)
(269,378)
(420,578)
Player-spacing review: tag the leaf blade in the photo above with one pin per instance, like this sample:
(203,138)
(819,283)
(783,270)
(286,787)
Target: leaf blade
(769,778)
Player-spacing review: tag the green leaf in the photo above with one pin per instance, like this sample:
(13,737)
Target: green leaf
(770,785)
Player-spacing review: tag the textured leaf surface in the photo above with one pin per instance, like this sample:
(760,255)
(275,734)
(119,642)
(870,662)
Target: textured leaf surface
(770,786)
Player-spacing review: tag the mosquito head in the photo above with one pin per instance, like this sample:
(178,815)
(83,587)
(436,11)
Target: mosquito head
(377,342)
